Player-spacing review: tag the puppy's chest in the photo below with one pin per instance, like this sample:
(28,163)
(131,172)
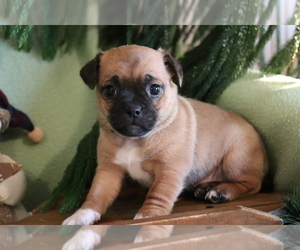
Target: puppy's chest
(130,157)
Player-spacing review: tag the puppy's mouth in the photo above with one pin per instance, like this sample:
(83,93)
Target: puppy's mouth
(132,126)
(132,130)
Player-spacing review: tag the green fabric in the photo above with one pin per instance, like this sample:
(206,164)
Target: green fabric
(53,95)
(272,105)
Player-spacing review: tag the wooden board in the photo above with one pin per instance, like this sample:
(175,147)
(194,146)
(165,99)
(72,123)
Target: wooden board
(232,215)
(219,238)
(131,199)
(180,237)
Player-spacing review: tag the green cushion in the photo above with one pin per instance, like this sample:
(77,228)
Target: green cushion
(272,105)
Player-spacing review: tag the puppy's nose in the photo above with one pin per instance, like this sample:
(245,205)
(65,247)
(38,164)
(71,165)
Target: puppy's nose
(133,111)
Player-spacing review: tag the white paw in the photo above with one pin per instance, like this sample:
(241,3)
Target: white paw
(141,238)
(141,216)
(82,217)
(153,232)
(83,240)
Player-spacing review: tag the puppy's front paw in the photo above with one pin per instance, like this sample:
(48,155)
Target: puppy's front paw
(148,213)
(153,232)
(83,240)
(82,217)
(141,216)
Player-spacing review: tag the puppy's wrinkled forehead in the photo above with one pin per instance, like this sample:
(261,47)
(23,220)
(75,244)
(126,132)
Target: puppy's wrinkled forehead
(132,62)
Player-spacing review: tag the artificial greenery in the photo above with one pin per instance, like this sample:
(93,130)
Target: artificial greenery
(287,58)
(47,40)
(148,12)
(290,215)
(223,56)
(291,208)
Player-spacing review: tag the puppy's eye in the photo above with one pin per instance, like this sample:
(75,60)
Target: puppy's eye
(155,90)
(109,91)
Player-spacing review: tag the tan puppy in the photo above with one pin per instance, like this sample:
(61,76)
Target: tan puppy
(164,141)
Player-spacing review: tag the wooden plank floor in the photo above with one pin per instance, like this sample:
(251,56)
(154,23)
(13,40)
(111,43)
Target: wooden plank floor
(122,237)
(131,199)
(124,209)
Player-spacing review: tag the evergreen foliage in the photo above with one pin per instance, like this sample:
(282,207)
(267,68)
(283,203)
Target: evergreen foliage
(46,39)
(223,56)
(291,203)
(18,8)
(287,58)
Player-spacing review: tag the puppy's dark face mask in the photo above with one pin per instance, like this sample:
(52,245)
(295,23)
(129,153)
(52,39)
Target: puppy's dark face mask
(134,88)
(132,112)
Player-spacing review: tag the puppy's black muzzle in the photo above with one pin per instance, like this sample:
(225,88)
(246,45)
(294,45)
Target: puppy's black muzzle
(133,110)
(133,118)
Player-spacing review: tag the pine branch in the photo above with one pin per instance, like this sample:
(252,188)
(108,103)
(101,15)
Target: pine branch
(238,12)
(18,8)
(112,36)
(285,56)
(263,39)
(49,42)
(235,61)
(291,203)
(201,31)
(296,16)
(17,5)
(18,32)
(201,70)
(264,15)
(224,55)
(24,11)
(216,10)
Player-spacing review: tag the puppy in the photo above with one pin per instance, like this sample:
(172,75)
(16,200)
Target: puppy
(165,141)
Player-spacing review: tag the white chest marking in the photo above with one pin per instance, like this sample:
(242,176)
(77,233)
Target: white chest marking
(130,158)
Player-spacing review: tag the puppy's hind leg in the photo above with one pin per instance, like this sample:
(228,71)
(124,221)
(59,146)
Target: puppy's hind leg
(228,191)
(242,172)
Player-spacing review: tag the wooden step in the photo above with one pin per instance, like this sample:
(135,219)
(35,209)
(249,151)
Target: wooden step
(128,203)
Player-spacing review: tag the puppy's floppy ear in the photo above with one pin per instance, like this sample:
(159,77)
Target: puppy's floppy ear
(173,66)
(90,72)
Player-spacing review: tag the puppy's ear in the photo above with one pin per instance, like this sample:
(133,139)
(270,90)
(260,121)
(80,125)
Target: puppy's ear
(173,66)
(90,72)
